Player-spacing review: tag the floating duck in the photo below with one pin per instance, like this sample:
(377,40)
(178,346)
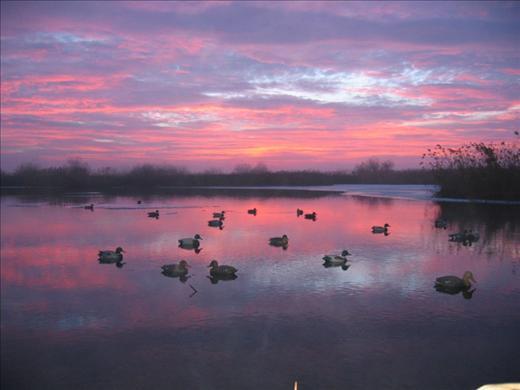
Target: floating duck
(337,259)
(154,214)
(90,207)
(190,243)
(458,237)
(441,223)
(108,256)
(175,270)
(453,284)
(299,212)
(381,229)
(221,270)
(219,215)
(344,266)
(279,241)
(252,211)
(311,216)
(216,223)
(467,237)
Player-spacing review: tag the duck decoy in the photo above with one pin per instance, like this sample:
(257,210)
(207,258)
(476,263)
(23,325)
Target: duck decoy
(190,243)
(108,256)
(279,241)
(299,212)
(90,207)
(154,214)
(216,223)
(176,270)
(453,284)
(441,223)
(221,270)
(219,215)
(252,211)
(337,259)
(311,216)
(381,229)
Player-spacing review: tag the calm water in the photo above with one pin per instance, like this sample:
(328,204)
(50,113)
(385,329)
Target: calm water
(69,322)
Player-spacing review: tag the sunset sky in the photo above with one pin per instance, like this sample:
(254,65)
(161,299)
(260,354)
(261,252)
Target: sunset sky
(293,85)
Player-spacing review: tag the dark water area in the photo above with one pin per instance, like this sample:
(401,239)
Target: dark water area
(68,321)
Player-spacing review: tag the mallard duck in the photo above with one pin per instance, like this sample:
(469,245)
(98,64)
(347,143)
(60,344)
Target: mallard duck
(299,212)
(219,215)
(441,223)
(252,211)
(458,237)
(455,284)
(190,243)
(111,256)
(311,216)
(221,270)
(90,207)
(216,223)
(337,259)
(175,270)
(279,241)
(154,214)
(380,229)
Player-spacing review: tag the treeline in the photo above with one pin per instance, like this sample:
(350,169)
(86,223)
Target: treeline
(476,170)
(76,175)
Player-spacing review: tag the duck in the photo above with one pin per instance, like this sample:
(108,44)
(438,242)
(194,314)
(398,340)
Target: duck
(90,207)
(252,211)
(216,223)
(453,284)
(219,215)
(344,266)
(299,212)
(279,241)
(154,214)
(311,216)
(458,237)
(441,223)
(111,256)
(472,236)
(381,229)
(221,270)
(175,270)
(190,243)
(337,259)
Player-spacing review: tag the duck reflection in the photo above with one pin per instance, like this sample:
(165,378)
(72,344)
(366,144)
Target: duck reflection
(343,266)
(214,279)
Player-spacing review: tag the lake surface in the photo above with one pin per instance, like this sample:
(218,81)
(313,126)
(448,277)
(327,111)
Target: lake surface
(68,321)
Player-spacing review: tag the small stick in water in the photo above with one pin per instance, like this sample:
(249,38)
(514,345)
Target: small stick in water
(195,291)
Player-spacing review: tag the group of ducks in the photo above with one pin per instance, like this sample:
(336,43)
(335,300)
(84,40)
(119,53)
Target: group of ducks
(447,284)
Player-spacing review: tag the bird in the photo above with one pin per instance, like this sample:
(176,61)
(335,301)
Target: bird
(311,216)
(299,212)
(108,256)
(216,223)
(221,270)
(252,211)
(441,223)
(219,215)
(453,284)
(175,270)
(458,237)
(90,207)
(154,214)
(279,241)
(337,259)
(380,229)
(190,243)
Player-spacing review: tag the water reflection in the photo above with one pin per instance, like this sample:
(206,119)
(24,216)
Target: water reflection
(287,315)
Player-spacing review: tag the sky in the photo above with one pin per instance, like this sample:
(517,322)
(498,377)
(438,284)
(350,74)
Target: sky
(292,85)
